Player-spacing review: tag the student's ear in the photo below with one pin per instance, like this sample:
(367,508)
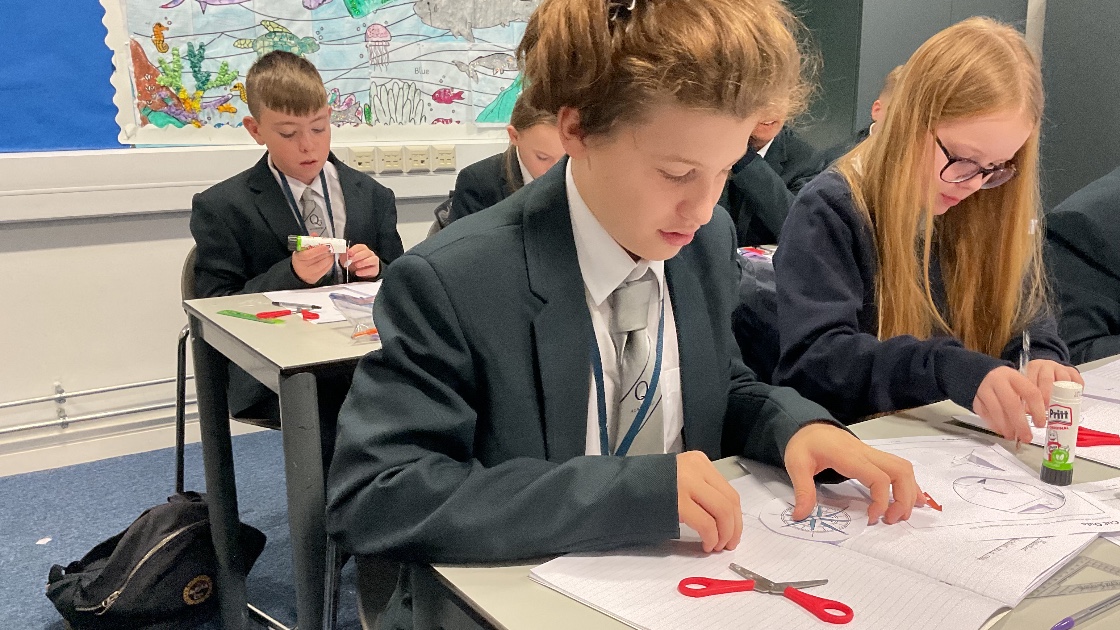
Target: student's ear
(513,135)
(253,128)
(876,111)
(572,136)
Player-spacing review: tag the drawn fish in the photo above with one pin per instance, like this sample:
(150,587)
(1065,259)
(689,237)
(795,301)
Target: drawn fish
(496,63)
(442,121)
(157,37)
(461,18)
(202,3)
(445,96)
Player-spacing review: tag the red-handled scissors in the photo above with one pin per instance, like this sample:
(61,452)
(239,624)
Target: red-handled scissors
(828,610)
(1089,437)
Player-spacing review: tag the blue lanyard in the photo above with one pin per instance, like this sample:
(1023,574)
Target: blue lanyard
(601,396)
(295,208)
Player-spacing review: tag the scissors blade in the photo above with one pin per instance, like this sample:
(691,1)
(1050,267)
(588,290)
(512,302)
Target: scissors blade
(799,585)
(760,583)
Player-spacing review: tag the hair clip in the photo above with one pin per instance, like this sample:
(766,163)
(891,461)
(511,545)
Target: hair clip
(619,9)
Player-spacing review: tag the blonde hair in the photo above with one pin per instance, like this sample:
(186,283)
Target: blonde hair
(990,257)
(889,83)
(284,82)
(611,63)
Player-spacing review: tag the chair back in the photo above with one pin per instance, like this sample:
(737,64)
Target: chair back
(187,282)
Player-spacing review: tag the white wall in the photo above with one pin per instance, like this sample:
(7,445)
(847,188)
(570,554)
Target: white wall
(91,251)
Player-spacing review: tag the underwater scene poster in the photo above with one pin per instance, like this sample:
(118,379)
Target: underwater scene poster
(393,69)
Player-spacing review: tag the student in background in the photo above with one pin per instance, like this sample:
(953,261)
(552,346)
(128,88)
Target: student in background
(906,274)
(757,200)
(241,225)
(510,398)
(1083,238)
(878,110)
(534,146)
(790,155)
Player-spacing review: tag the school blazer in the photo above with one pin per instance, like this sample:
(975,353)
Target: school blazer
(485,183)
(757,200)
(794,159)
(241,228)
(1083,250)
(462,438)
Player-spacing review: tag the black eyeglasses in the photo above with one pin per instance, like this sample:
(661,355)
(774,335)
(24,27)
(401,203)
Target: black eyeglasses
(960,169)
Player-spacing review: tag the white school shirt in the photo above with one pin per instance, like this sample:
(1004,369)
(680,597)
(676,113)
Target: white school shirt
(605,265)
(765,148)
(525,176)
(338,203)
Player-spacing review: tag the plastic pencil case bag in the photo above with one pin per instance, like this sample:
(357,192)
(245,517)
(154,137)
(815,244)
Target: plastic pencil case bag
(159,574)
(358,310)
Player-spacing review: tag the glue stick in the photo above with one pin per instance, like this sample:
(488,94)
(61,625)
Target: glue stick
(1062,419)
(300,243)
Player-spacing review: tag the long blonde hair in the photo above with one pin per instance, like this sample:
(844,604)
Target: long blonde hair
(989,246)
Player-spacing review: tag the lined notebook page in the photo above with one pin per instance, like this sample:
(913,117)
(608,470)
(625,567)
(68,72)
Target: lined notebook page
(639,587)
(1006,570)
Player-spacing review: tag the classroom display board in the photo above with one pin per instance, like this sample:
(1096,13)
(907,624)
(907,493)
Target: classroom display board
(392,68)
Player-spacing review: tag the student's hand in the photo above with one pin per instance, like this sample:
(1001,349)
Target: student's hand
(818,446)
(707,503)
(1044,373)
(362,261)
(313,263)
(1000,400)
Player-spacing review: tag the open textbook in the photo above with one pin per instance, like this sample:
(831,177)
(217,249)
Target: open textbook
(998,536)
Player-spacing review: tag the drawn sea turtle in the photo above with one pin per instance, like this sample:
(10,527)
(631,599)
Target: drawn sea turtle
(278,38)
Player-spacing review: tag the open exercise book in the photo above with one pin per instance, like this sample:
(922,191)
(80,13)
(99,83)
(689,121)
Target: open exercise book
(1000,534)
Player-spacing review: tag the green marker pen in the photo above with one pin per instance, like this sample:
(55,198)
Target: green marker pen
(1062,420)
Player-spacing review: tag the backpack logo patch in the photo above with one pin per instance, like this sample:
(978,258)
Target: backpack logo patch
(198,590)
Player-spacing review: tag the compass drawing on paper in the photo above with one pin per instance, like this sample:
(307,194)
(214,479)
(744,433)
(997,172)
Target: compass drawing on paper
(824,524)
(1005,495)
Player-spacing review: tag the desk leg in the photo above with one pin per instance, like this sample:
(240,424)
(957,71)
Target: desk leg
(307,501)
(211,379)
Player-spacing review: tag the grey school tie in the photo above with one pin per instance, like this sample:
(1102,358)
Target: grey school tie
(629,320)
(316,221)
(313,215)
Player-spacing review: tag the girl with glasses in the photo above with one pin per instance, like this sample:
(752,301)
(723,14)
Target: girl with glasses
(912,272)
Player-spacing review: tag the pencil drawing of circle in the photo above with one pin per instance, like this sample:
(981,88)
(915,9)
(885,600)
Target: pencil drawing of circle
(1005,495)
(824,524)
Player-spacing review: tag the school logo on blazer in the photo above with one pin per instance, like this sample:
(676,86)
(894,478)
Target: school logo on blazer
(198,590)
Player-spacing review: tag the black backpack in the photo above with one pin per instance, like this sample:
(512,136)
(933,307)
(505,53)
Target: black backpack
(160,573)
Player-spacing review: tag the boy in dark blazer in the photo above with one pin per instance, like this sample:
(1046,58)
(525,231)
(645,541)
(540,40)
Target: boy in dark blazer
(492,423)
(1083,248)
(241,225)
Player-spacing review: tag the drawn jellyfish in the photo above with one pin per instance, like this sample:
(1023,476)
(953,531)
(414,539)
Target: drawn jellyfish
(377,43)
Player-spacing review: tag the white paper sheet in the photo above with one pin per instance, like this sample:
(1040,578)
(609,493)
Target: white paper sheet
(639,587)
(1096,414)
(1103,382)
(320,296)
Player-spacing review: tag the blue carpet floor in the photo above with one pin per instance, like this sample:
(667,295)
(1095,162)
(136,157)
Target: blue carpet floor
(79,506)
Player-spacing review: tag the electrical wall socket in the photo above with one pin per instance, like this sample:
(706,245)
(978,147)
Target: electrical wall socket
(417,159)
(389,160)
(443,157)
(362,158)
